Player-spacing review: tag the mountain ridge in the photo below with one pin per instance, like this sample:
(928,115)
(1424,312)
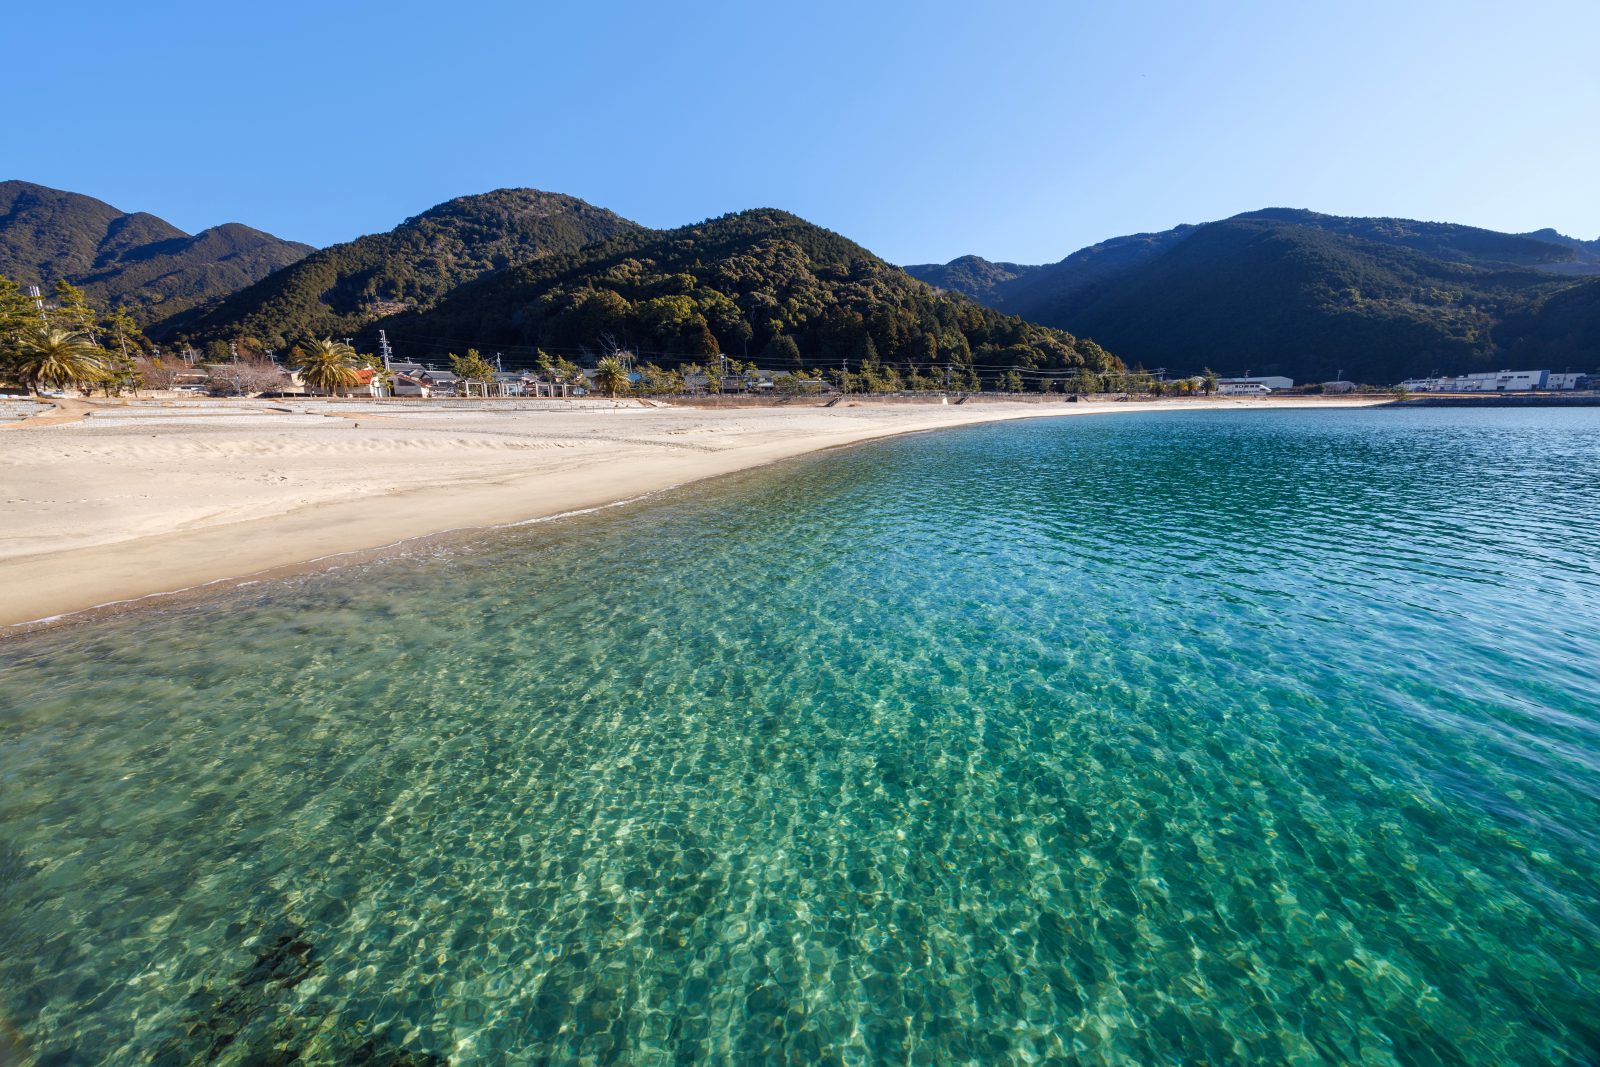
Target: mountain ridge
(1285,290)
(337,290)
(133,259)
(761,283)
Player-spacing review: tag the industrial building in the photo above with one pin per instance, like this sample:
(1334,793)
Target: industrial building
(1505,381)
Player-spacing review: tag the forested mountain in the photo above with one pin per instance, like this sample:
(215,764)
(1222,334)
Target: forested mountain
(971,276)
(1559,331)
(338,290)
(139,261)
(762,284)
(1283,291)
(1587,258)
(1086,273)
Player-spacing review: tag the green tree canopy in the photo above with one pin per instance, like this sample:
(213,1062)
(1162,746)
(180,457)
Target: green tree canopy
(472,367)
(611,376)
(46,355)
(327,365)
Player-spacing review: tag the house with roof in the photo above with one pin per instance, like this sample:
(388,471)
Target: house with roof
(509,383)
(441,382)
(410,384)
(368,383)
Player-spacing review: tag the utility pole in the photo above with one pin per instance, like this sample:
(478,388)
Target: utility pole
(845,374)
(383,348)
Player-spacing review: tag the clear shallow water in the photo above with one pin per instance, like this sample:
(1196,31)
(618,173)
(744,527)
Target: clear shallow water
(1264,737)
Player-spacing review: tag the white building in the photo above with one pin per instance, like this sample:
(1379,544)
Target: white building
(1564,381)
(1259,386)
(1504,381)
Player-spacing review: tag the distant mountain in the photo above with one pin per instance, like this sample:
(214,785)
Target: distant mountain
(971,276)
(340,289)
(1285,291)
(762,284)
(1587,258)
(1086,273)
(137,260)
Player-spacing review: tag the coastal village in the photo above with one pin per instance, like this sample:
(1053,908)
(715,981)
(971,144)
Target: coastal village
(378,377)
(418,381)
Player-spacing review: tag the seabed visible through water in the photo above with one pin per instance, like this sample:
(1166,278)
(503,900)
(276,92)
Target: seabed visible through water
(1224,737)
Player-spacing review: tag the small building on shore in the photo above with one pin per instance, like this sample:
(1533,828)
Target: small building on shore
(1259,386)
(408,384)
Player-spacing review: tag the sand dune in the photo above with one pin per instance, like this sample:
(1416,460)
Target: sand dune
(111,502)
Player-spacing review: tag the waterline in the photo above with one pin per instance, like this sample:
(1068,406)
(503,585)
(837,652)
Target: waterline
(1015,742)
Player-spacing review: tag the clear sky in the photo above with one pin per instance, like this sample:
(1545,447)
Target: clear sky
(926,130)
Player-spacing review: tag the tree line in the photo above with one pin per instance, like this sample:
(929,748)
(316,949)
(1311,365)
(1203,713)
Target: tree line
(66,343)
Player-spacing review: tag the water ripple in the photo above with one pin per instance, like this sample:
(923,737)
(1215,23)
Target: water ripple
(1211,738)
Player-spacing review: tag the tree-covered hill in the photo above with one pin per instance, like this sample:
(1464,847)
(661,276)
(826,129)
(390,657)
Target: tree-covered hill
(971,276)
(1284,299)
(1283,291)
(1446,241)
(760,284)
(1559,331)
(1586,257)
(340,289)
(137,261)
(1084,275)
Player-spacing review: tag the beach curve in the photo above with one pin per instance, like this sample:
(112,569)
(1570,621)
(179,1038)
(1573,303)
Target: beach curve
(138,501)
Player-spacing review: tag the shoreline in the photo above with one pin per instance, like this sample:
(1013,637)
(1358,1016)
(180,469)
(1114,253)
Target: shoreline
(244,492)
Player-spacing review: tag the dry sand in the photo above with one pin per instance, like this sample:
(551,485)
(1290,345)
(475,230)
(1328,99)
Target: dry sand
(108,503)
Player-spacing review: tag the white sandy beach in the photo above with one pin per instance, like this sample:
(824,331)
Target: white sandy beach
(110,502)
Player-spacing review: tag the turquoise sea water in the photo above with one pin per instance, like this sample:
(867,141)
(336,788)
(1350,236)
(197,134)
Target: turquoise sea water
(1201,738)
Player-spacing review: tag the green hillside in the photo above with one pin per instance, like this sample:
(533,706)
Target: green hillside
(1284,291)
(971,276)
(344,287)
(763,284)
(139,261)
(1284,299)
(1559,331)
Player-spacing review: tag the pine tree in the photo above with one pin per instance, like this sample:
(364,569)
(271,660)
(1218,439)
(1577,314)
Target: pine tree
(73,314)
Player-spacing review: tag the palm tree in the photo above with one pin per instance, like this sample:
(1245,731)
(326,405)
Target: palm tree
(611,375)
(56,357)
(327,364)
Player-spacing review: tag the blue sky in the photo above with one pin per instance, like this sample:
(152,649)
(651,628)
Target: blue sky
(1017,131)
